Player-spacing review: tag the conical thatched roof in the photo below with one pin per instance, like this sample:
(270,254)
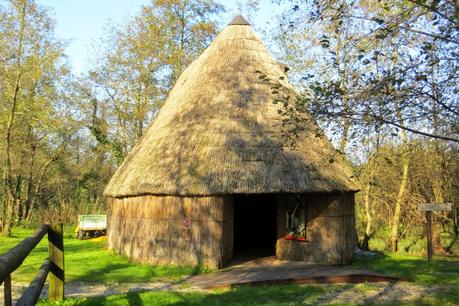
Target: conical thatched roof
(219,132)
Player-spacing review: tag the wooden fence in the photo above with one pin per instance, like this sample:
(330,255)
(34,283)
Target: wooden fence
(12,259)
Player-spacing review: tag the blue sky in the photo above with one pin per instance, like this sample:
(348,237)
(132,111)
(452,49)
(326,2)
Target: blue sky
(82,21)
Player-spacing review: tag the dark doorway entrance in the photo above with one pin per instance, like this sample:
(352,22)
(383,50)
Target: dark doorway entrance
(254,226)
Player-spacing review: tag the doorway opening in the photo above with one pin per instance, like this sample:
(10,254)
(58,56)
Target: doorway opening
(255,226)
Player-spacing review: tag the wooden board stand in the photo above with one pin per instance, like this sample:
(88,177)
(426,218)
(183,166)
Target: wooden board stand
(428,208)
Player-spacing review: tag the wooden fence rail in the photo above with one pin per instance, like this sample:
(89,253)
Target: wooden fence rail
(12,259)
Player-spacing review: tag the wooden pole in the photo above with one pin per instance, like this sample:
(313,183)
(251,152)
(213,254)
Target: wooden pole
(12,259)
(7,291)
(32,293)
(56,257)
(429,235)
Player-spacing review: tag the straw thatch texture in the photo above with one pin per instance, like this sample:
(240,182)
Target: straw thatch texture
(330,231)
(219,132)
(150,229)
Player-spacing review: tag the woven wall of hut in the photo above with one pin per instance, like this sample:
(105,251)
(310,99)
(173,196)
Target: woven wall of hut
(151,229)
(330,230)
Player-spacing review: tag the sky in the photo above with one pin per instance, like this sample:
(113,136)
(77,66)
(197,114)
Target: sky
(80,22)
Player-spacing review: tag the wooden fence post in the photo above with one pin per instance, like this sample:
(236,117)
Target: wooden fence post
(56,256)
(429,235)
(7,291)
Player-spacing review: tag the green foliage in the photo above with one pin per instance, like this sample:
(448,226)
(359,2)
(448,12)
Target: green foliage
(33,106)
(68,134)
(369,65)
(137,63)
(431,179)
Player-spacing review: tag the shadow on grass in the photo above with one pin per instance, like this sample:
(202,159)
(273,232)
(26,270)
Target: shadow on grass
(134,298)
(273,295)
(263,295)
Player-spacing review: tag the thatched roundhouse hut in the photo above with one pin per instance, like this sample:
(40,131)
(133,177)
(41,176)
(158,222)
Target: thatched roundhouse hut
(216,173)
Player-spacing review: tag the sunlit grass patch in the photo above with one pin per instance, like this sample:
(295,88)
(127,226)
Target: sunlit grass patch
(90,261)
(442,270)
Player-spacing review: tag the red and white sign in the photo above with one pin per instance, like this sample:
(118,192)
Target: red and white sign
(186,223)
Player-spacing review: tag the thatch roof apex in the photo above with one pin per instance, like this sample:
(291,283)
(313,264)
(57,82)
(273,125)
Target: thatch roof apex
(219,132)
(239,20)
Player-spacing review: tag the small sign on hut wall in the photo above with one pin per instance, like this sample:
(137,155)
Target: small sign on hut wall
(187,223)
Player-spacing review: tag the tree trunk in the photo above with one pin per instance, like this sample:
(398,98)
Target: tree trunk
(369,211)
(342,73)
(401,192)
(346,123)
(439,165)
(405,162)
(28,199)
(11,197)
(368,215)
(437,188)
(457,13)
(18,198)
(39,182)
(3,199)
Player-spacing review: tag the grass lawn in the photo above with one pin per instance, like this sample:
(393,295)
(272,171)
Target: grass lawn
(89,261)
(263,295)
(442,270)
(442,273)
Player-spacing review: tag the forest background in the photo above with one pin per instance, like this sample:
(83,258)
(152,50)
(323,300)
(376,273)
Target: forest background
(380,78)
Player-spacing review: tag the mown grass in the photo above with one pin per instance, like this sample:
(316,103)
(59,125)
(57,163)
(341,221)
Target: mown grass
(442,270)
(90,261)
(442,274)
(263,295)
(272,295)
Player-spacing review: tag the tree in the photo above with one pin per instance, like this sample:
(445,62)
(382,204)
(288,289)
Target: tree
(426,35)
(383,72)
(140,61)
(32,69)
(64,136)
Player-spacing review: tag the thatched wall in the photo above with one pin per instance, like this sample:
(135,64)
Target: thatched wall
(330,231)
(150,229)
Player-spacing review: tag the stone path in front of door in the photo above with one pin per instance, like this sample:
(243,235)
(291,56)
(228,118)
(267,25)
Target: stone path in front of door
(271,271)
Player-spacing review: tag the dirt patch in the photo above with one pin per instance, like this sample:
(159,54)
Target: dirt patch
(376,293)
